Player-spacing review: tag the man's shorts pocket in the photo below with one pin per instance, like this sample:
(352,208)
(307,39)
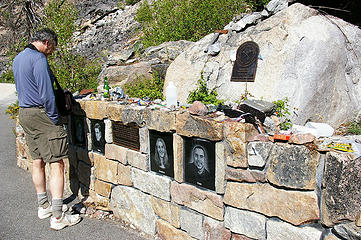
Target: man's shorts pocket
(58,144)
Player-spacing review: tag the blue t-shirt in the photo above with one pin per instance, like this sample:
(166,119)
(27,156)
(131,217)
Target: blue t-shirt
(34,82)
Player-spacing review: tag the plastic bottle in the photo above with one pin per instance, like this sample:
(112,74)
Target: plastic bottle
(106,88)
(171,94)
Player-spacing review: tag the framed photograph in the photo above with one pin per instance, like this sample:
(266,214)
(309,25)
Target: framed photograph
(199,162)
(78,127)
(98,135)
(161,153)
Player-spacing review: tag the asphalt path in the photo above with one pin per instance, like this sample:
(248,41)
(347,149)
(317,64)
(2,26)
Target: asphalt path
(18,209)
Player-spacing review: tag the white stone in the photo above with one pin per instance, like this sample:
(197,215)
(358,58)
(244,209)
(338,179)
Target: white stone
(158,186)
(134,207)
(247,223)
(277,230)
(108,131)
(220,168)
(257,153)
(276,5)
(299,48)
(191,222)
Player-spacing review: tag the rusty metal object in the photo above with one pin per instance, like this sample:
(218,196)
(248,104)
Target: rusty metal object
(126,135)
(245,66)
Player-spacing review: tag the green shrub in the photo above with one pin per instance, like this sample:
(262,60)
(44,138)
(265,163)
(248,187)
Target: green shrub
(172,20)
(146,87)
(203,94)
(354,128)
(73,71)
(282,111)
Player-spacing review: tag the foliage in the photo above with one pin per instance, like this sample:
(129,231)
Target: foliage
(203,94)
(13,110)
(146,87)
(172,20)
(282,111)
(354,127)
(131,2)
(73,71)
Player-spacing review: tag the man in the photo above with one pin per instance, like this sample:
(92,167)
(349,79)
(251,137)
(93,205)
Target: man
(39,118)
(200,160)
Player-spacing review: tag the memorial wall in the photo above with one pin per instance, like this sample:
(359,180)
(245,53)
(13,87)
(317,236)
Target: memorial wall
(174,175)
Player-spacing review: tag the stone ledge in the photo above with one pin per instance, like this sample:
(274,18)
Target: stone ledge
(168,232)
(295,207)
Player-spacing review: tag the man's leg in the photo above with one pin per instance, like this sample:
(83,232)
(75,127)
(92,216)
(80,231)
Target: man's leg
(57,186)
(39,180)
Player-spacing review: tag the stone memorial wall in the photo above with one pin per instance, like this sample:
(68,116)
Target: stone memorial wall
(262,189)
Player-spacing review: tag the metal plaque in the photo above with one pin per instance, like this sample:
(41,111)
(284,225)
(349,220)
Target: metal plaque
(126,135)
(98,135)
(245,66)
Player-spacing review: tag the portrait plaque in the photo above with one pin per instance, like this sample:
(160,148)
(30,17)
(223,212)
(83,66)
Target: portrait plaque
(199,162)
(78,126)
(98,135)
(161,153)
(245,66)
(126,135)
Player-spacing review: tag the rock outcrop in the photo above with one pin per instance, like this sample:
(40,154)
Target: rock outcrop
(312,59)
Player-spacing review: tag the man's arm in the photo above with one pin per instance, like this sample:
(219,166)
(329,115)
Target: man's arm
(45,88)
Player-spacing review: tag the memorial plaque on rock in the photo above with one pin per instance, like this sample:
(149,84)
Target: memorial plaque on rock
(78,127)
(161,153)
(98,135)
(245,66)
(126,135)
(199,162)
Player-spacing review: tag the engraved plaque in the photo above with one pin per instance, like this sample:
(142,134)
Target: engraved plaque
(161,153)
(126,135)
(245,66)
(78,130)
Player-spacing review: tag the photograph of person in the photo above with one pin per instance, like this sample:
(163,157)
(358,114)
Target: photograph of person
(199,168)
(161,153)
(98,135)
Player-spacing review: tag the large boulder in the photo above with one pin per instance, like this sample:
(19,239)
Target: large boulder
(312,59)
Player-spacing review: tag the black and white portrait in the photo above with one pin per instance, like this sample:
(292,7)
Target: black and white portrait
(200,162)
(78,130)
(161,152)
(98,135)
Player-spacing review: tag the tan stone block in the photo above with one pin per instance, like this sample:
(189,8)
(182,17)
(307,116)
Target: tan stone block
(245,175)
(115,152)
(102,188)
(358,219)
(162,121)
(239,237)
(295,207)
(195,126)
(214,229)
(241,131)
(96,109)
(82,104)
(202,201)
(138,160)
(84,173)
(167,232)
(20,147)
(124,175)
(166,210)
(100,202)
(135,114)
(115,111)
(144,140)
(178,158)
(235,134)
(106,170)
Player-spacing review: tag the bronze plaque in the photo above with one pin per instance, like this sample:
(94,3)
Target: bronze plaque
(245,66)
(126,135)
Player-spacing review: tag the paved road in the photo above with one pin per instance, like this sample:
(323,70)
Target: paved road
(18,216)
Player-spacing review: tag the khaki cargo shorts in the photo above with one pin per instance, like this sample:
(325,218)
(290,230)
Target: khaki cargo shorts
(45,139)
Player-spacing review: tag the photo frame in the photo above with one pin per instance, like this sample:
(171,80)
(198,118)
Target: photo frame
(199,162)
(98,135)
(161,153)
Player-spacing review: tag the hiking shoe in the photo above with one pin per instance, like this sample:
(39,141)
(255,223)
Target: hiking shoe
(47,212)
(65,221)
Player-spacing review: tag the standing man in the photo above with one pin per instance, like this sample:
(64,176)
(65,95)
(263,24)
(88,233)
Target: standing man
(39,118)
